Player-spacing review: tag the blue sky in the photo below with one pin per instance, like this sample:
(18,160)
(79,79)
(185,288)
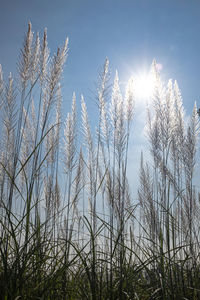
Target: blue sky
(131,33)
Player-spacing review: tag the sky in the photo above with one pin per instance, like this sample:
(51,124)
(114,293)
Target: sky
(131,33)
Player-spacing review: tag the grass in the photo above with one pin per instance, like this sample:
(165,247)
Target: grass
(69,228)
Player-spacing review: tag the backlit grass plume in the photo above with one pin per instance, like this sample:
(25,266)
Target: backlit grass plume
(69,226)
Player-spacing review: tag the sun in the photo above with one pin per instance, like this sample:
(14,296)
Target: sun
(144,85)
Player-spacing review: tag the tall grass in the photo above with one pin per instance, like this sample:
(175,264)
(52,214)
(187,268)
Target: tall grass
(69,228)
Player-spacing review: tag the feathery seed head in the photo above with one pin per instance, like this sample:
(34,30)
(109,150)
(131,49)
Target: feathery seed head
(116,100)
(35,59)
(68,144)
(74,109)
(44,57)
(26,56)
(105,74)
(58,110)
(70,138)
(87,133)
(129,100)
(56,67)
(50,146)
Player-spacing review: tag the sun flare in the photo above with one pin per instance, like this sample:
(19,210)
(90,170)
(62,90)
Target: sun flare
(144,85)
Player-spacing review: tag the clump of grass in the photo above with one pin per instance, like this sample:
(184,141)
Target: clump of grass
(69,228)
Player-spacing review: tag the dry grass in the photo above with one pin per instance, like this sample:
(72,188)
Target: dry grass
(69,228)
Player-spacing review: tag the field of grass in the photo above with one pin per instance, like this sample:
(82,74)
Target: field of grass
(69,228)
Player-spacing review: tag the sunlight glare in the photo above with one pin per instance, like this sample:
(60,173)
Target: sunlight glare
(144,85)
